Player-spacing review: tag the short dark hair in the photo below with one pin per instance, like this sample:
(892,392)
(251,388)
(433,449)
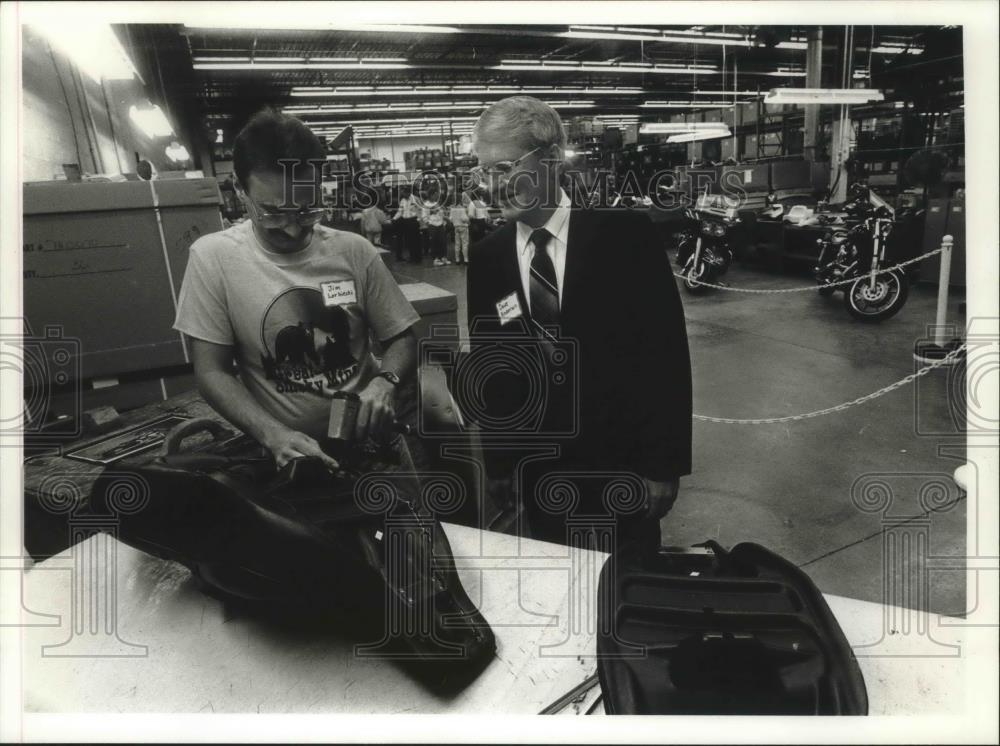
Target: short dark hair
(270,136)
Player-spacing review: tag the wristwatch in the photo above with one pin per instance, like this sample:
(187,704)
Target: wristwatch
(389,376)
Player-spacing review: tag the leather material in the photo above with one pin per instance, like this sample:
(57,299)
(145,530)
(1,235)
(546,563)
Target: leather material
(300,538)
(743,632)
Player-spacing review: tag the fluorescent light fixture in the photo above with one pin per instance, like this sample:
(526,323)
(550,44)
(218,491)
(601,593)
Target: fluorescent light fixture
(371,130)
(690,36)
(177,152)
(632,29)
(602,67)
(786,73)
(152,121)
(365,91)
(701,135)
(94,48)
(401,120)
(823,96)
(896,49)
(298,25)
(611,33)
(401,136)
(389,108)
(444,106)
(312,63)
(434,135)
(247,59)
(723,93)
(685,104)
(676,36)
(665,128)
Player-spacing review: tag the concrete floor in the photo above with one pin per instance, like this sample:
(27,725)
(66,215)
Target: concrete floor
(788,486)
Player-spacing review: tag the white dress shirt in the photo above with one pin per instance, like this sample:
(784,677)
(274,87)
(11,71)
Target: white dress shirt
(409,207)
(478,210)
(558,226)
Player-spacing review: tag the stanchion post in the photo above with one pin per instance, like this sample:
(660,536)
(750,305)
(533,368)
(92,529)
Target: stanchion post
(940,349)
(942,299)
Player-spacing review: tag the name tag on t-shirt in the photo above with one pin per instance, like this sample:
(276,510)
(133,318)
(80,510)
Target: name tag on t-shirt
(509,308)
(338,292)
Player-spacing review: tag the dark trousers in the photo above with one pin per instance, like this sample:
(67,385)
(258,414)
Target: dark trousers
(477,230)
(436,241)
(409,233)
(580,505)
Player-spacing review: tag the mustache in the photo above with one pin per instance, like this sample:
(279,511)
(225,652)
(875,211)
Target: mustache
(278,233)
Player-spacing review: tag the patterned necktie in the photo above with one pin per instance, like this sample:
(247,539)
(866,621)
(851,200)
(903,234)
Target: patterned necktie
(542,284)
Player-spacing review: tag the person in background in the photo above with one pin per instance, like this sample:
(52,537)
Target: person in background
(328,218)
(407,219)
(458,216)
(432,217)
(372,221)
(479,213)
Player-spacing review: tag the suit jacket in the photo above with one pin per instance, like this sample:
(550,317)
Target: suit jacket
(631,369)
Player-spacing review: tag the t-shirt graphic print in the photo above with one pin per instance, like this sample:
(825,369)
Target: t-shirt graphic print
(310,347)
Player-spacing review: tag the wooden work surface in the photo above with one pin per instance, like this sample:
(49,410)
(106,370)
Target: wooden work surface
(190,655)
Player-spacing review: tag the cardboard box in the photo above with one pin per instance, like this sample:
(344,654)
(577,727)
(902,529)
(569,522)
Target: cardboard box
(438,309)
(103,262)
(125,394)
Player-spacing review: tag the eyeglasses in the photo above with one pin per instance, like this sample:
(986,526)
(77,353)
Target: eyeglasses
(480,174)
(271,220)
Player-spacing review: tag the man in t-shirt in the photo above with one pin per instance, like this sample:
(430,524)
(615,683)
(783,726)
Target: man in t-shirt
(295,304)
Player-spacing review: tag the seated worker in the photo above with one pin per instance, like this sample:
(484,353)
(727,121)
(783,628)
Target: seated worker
(294,304)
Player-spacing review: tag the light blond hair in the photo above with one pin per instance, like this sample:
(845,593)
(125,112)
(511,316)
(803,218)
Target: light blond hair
(528,121)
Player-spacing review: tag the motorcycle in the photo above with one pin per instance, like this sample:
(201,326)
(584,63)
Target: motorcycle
(855,247)
(705,249)
(773,210)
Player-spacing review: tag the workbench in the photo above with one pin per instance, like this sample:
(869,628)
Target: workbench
(141,636)
(176,650)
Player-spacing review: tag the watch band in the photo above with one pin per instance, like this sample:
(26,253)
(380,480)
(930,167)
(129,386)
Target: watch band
(389,376)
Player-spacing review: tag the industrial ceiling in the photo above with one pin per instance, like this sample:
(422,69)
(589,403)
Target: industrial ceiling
(410,78)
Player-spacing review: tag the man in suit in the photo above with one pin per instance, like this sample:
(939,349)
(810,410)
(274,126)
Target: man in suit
(592,293)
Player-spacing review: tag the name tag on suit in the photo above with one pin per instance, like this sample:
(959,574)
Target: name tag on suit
(509,308)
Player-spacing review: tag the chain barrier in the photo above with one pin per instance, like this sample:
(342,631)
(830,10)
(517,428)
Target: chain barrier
(946,360)
(812,287)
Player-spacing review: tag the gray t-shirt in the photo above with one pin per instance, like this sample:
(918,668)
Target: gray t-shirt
(301,323)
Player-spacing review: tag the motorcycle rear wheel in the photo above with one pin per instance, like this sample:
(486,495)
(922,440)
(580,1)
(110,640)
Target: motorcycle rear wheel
(884,301)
